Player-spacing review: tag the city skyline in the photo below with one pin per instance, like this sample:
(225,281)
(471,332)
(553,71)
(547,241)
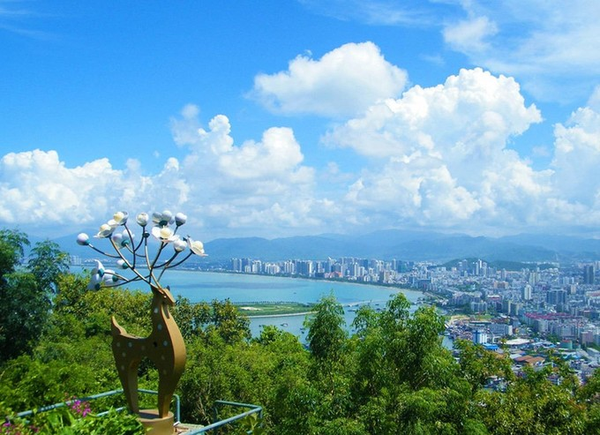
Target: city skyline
(292,118)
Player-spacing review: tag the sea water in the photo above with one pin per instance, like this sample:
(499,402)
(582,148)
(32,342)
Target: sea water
(244,288)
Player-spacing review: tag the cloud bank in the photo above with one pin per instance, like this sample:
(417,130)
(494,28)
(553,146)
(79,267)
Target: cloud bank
(440,157)
(553,53)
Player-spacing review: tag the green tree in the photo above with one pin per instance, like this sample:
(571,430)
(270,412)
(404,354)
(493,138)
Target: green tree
(25,310)
(532,404)
(326,333)
(478,365)
(47,263)
(12,250)
(264,371)
(404,381)
(372,373)
(70,297)
(191,318)
(229,323)
(589,395)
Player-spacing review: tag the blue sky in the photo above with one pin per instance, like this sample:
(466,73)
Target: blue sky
(281,118)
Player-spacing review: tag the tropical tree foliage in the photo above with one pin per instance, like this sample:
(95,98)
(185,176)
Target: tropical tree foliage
(392,376)
(48,263)
(24,305)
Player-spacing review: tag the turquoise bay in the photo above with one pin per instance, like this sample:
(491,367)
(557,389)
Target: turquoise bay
(239,288)
(243,288)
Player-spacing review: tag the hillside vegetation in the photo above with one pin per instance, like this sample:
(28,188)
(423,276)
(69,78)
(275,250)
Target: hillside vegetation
(392,377)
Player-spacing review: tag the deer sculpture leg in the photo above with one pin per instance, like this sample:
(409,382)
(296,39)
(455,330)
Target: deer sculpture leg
(164,347)
(166,385)
(170,360)
(126,350)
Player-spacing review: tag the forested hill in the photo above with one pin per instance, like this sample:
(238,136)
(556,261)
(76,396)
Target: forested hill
(401,245)
(414,246)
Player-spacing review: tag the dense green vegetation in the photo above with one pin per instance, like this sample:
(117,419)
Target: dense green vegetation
(273,308)
(391,377)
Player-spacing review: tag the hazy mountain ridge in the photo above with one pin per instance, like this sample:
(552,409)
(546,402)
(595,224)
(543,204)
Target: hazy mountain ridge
(390,244)
(417,246)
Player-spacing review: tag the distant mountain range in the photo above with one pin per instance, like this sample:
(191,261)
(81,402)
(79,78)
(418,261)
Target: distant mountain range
(394,244)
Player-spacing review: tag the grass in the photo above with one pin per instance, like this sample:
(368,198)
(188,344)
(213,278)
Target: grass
(254,309)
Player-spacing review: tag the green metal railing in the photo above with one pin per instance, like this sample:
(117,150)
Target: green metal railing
(252,409)
(96,397)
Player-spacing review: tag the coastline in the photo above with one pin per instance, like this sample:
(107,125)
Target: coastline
(311,278)
(239,288)
(301,277)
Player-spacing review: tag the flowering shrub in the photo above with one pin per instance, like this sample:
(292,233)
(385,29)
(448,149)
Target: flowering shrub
(80,407)
(75,418)
(17,428)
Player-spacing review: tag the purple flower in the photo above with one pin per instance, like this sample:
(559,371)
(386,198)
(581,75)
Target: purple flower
(81,408)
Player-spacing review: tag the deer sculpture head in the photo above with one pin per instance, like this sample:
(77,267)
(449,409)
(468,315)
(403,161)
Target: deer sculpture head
(165,294)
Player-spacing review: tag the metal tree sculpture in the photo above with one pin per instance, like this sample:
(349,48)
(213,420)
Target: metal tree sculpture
(164,346)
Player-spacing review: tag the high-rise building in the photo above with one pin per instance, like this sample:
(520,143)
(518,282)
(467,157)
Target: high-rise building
(534,277)
(501,329)
(589,273)
(527,293)
(555,297)
(76,260)
(305,267)
(236,265)
(480,337)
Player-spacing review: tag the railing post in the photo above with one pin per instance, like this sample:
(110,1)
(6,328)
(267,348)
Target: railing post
(216,416)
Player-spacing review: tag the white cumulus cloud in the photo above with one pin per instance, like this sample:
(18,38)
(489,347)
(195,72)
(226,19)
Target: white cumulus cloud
(439,155)
(39,190)
(257,186)
(248,185)
(470,116)
(550,45)
(343,82)
(577,158)
(594,100)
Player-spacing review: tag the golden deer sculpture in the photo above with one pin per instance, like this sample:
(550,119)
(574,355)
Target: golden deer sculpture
(164,347)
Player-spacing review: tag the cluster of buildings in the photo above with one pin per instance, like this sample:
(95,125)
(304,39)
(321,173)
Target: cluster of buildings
(523,312)
(562,303)
(350,268)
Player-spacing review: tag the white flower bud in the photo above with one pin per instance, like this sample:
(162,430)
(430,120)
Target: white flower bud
(122,264)
(196,246)
(117,238)
(83,239)
(179,245)
(180,219)
(142,219)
